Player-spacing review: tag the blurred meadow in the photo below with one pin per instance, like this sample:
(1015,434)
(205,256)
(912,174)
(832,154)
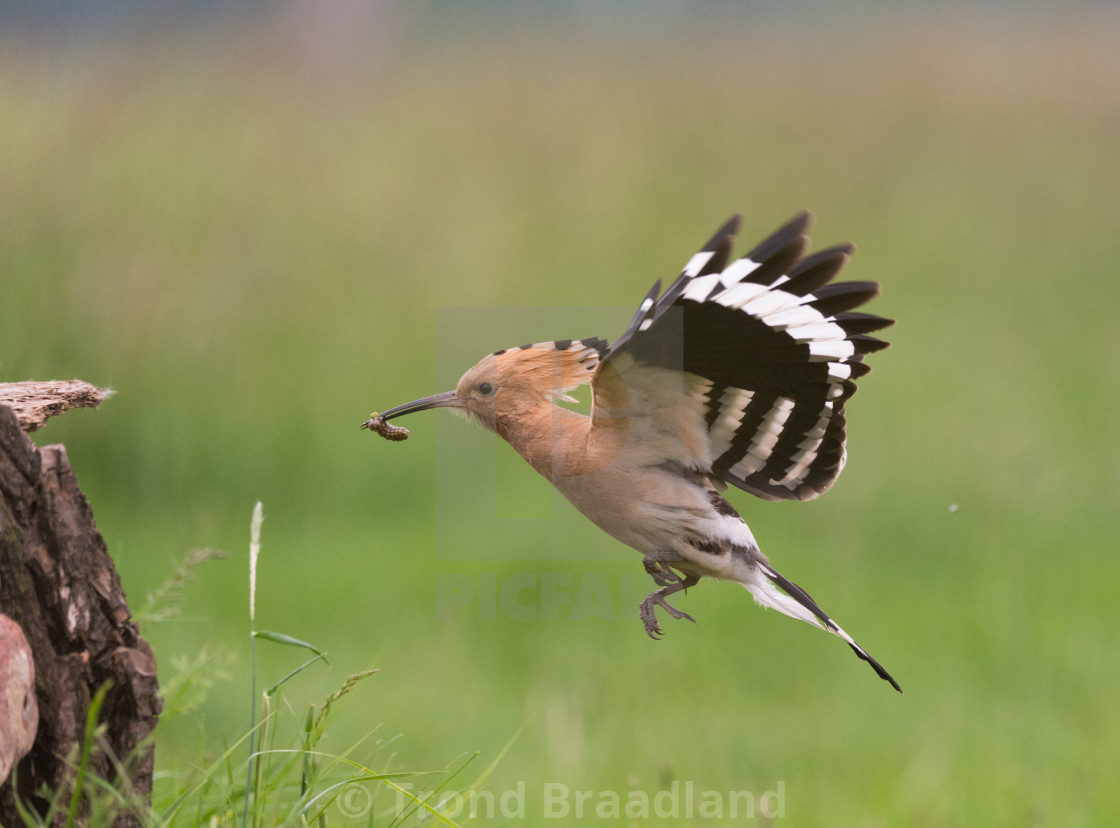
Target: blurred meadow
(257,229)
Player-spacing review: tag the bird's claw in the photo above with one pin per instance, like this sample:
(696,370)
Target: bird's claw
(649,619)
(649,614)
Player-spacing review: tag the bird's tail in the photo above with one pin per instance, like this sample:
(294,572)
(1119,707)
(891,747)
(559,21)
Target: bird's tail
(775,591)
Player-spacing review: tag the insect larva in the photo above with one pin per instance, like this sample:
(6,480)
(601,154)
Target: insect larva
(389,432)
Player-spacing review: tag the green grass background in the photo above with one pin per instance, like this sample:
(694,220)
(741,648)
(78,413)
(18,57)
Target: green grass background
(259,231)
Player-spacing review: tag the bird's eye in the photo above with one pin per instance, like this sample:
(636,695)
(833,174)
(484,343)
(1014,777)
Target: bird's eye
(486,389)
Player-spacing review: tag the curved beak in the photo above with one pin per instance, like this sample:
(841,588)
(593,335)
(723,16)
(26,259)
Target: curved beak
(445,400)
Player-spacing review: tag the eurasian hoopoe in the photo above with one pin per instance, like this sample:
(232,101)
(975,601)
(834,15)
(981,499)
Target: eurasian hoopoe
(737,374)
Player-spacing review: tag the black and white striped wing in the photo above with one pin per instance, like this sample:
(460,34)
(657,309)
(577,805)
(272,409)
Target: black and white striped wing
(768,351)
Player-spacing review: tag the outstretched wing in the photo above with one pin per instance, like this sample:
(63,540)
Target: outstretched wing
(740,371)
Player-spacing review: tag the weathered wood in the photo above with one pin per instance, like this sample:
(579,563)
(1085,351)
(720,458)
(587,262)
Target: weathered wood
(36,402)
(59,584)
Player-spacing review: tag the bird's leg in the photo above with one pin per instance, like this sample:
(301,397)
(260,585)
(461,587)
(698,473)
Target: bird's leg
(659,571)
(649,615)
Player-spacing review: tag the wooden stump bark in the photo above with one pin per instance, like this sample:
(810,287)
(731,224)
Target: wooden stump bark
(58,583)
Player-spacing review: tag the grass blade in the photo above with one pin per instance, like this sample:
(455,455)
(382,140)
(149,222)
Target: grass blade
(280,638)
(272,690)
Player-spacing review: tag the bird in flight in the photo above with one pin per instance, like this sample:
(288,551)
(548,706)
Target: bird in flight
(737,374)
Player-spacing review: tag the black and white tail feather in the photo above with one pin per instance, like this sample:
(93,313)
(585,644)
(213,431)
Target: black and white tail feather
(769,349)
(819,618)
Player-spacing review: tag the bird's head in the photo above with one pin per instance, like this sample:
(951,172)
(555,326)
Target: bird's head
(509,385)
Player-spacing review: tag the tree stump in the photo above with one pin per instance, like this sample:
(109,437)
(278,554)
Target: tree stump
(58,583)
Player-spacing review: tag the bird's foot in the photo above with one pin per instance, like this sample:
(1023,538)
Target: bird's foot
(649,618)
(648,612)
(659,571)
